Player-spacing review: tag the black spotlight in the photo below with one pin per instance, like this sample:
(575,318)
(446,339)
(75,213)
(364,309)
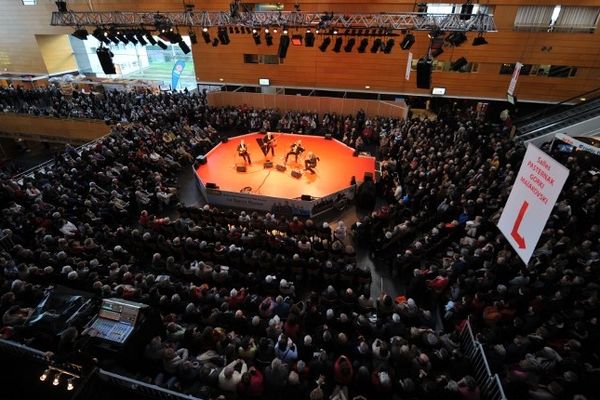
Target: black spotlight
(268,38)
(150,38)
(256,36)
(131,37)
(140,38)
(376,45)
(437,52)
(284,43)
(458,64)
(237,29)
(215,42)
(309,38)
(231,30)
(99,34)
(161,44)
(62,6)
(389,45)
(223,36)
(348,47)
(363,45)
(122,37)
(466,10)
(421,7)
(193,37)
(325,44)
(205,35)
(81,34)
(338,45)
(113,37)
(184,47)
(479,41)
(456,38)
(407,42)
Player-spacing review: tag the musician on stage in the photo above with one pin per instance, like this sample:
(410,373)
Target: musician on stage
(268,143)
(243,152)
(311,162)
(295,150)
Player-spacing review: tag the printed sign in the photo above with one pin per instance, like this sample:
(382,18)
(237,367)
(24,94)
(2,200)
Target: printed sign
(177,70)
(514,79)
(537,186)
(408,66)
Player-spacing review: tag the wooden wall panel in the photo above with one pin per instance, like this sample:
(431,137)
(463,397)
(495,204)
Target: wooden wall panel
(55,128)
(57,53)
(316,104)
(19,51)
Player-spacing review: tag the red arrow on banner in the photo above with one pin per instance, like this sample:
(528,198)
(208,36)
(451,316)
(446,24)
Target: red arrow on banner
(515,230)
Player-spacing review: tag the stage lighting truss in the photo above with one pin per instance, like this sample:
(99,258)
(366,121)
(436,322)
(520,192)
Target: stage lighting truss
(292,19)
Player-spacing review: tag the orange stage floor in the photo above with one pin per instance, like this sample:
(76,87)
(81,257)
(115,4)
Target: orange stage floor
(333,172)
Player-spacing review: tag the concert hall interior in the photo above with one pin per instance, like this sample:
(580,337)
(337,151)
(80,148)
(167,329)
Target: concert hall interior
(291,200)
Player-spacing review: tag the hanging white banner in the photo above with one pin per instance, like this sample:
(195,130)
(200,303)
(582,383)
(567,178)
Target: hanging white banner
(408,66)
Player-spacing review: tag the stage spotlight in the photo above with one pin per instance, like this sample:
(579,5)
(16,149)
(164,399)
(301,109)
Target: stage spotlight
(363,45)
(275,30)
(237,29)
(231,30)
(376,45)
(122,38)
(193,37)
(70,385)
(284,43)
(56,380)
(81,34)
(349,45)
(479,40)
(99,34)
(61,6)
(458,64)
(150,38)
(131,37)
(140,38)
(389,45)
(268,38)
(184,47)
(285,31)
(309,39)
(435,32)
(161,44)
(256,37)
(223,36)
(456,38)
(44,375)
(325,44)
(248,30)
(407,42)
(437,52)
(215,42)
(466,10)
(421,7)
(205,35)
(338,45)
(113,37)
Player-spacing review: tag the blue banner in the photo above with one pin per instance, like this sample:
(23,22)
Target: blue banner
(177,70)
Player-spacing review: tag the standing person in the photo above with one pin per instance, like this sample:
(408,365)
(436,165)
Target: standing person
(295,150)
(269,143)
(311,162)
(243,151)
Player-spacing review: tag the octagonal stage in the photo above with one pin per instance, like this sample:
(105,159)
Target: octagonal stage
(270,189)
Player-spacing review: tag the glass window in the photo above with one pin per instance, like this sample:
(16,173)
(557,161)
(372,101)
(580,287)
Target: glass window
(251,58)
(29,2)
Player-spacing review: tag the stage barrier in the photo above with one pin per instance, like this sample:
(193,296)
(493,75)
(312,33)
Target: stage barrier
(321,105)
(489,385)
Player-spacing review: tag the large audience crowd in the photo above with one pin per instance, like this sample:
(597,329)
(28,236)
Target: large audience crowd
(270,306)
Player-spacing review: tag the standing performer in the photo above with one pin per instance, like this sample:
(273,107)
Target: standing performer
(311,162)
(295,150)
(243,152)
(269,143)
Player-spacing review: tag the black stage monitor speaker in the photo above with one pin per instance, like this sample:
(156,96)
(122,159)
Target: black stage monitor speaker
(268,164)
(224,140)
(240,168)
(328,136)
(356,153)
(281,168)
(296,174)
(306,197)
(201,160)
(105,58)
(211,185)
(424,74)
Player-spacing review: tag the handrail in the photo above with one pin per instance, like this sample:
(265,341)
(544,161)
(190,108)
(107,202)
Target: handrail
(556,106)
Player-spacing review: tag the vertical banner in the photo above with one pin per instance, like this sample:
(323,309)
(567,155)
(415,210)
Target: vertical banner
(514,79)
(536,188)
(408,66)
(177,70)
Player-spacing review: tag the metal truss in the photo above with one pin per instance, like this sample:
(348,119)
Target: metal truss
(290,19)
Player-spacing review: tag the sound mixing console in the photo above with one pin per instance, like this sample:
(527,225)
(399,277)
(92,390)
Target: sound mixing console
(116,320)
